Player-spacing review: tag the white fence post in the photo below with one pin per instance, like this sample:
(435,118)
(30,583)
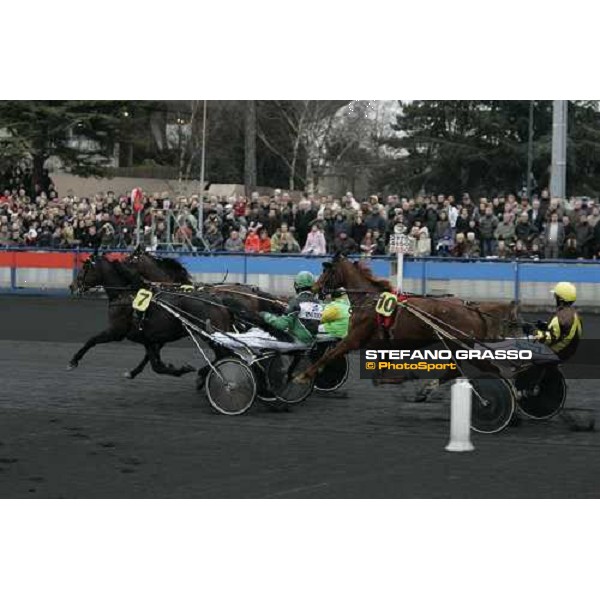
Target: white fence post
(399,243)
(460,417)
(400,270)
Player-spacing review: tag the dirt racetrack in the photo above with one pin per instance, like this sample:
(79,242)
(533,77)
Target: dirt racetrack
(92,433)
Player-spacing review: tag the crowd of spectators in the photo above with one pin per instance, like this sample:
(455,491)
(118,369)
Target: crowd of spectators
(504,226)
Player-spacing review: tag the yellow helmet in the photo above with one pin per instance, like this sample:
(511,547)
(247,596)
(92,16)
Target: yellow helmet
(565,291)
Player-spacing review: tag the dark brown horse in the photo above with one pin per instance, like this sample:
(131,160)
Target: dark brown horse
(169,270)
(463,320)
(157,327)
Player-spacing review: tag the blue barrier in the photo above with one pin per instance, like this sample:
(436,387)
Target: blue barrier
(422,270)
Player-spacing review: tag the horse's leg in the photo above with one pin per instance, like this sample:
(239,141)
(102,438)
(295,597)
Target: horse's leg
(426,390)
(137,370)
(109,335)
(158,366)
(432,385)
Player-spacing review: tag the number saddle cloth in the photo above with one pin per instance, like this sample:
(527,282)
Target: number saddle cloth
(387,306)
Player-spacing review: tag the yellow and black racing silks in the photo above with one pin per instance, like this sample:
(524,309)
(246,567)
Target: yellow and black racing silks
(562,333)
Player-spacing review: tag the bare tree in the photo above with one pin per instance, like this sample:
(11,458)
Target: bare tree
(308,123)
(250,146)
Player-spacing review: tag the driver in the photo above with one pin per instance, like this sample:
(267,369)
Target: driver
(303,313)
(563,331)
(336,315)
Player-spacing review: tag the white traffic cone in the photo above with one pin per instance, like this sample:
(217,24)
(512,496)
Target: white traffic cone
(460,417)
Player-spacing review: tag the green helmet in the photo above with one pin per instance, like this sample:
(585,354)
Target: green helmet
(304,280)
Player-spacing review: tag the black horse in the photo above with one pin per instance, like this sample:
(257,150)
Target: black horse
(170,270)
(155,328)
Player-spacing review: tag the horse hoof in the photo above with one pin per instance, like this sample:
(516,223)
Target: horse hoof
(420,398)
(128,375)
(71,366)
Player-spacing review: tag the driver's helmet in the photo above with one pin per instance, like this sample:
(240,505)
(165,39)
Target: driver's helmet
(565,291)
(338,293)
(304,281)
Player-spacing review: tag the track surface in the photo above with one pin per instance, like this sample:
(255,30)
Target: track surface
(92,433)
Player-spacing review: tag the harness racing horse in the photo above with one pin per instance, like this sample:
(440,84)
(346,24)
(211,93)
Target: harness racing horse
(484,321)
(157,327)
(170,270)
(164,270)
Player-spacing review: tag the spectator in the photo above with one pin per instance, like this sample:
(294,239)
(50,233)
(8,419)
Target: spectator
(265,242)
(341,224)
(4,235)
(107,235)
(570,247)
(487,228)
(367,245)
(31,236)
(442,227)
(521,250)
(536,215)
(345,244)
(304,217)
(214,238)
(462,222)
(568,227)
(554,237)
(234,242)
(315,242)
(472,249)
(596,240)
(506,229)
(252,243)
(287,241)
(460,247)
(423,247)
(524,231)
(276,239)
(379,239)
(535,252)
(374,220)
(502,250)
(359,229)
(584,235)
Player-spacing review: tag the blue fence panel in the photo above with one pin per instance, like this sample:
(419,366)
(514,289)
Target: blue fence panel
(520,273)
(480,270)
(576,272)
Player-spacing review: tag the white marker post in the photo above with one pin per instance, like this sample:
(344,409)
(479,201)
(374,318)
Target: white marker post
(401,243)
(460,417)
(400,269)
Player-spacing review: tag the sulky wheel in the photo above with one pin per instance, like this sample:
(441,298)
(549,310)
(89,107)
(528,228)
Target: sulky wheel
(492,404)
(541,391)
(334,375)
(230,386)
(281,371)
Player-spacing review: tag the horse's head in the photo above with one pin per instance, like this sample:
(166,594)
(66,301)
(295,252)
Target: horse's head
(88,276)
(334,275)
